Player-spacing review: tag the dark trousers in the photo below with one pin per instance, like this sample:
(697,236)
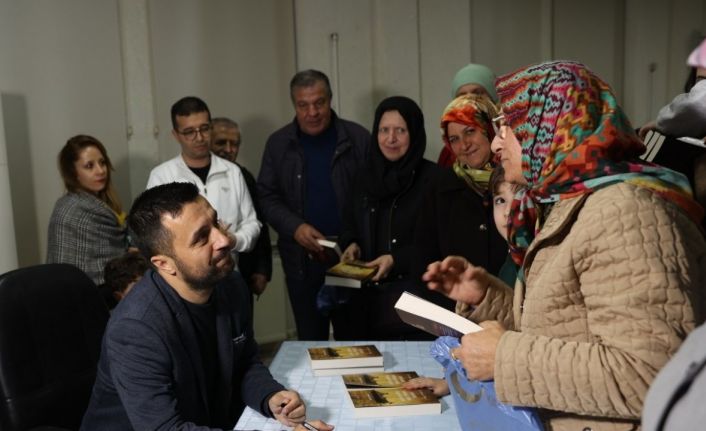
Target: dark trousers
(311,324)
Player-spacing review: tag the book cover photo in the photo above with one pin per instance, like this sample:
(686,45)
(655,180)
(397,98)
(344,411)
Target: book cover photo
(383,402)
(393,379)
(345,357)
(349,274)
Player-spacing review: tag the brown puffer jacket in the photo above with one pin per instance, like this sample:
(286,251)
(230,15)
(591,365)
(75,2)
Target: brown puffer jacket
(615,281)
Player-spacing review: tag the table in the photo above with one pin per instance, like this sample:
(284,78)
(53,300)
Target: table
(326,398)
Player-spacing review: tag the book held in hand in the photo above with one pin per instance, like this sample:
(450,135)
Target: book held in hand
(432,318)
(349,274)
(393,379)
(324,358)
(331,253)
(381,402)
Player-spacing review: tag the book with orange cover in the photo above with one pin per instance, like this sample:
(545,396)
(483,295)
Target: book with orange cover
(349,274)
(381,402)
(345,357)
(392,379)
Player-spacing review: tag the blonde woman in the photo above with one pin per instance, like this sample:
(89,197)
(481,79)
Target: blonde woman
(87,226)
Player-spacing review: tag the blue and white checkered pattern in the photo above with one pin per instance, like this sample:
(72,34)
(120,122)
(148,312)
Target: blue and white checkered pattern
(326,397)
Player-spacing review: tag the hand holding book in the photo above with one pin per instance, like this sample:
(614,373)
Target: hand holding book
(384,265)
(477,351)
(307,236)
(351,253)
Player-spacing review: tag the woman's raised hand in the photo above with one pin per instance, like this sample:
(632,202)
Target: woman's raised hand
(458,279)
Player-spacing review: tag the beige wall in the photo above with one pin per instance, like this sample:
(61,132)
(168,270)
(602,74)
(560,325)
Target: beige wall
(59,76)
(63,72)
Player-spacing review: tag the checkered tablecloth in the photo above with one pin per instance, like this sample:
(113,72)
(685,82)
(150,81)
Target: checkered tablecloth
(326,397)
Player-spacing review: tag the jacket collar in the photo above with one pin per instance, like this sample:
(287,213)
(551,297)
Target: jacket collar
(218,165)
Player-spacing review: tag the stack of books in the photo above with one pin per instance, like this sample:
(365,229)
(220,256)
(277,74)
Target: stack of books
(333,361)
(380,394)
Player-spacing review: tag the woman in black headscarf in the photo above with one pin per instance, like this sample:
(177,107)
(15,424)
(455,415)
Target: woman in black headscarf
(379,222)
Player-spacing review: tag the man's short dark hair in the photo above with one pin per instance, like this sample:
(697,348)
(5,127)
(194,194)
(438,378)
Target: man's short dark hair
(186,106)
(145,219)
(123,270)
(307,78)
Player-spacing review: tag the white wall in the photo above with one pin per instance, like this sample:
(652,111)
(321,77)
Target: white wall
(60,75)
(8,250)
(236,55)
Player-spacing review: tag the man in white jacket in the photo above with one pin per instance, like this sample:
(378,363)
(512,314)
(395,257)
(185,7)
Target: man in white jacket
(218,180)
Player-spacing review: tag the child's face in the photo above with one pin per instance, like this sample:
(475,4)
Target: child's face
(501,207)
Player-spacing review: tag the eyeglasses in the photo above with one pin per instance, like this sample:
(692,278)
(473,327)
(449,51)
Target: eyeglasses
(190,133)
(499,126)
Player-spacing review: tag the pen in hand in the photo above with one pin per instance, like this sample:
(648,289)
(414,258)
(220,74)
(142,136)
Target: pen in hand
(309,426)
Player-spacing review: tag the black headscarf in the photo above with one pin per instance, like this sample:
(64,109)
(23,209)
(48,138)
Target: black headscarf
(385,178)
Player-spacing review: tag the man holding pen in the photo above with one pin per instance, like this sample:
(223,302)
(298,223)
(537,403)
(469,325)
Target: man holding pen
(178,351)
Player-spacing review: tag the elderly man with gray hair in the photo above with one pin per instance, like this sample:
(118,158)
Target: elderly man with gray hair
(305,177)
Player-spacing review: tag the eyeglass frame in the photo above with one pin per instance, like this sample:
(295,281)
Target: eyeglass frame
(205,130)
(498,128)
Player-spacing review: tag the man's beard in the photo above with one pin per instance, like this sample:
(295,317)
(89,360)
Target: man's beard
(214,274)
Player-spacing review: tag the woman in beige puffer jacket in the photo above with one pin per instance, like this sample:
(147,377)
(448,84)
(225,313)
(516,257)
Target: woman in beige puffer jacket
(613,261)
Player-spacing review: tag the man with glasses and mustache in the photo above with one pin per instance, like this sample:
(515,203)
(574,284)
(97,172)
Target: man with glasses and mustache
(179,351)
(218,180)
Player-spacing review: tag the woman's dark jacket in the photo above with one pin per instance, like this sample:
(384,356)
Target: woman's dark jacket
(361,220)
(455,220)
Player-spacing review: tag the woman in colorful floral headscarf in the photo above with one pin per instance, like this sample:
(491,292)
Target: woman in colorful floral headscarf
(613,261)
(457,215)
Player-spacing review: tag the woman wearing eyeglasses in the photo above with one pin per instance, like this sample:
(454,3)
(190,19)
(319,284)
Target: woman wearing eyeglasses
(613,262)
(87,226)
(457,215)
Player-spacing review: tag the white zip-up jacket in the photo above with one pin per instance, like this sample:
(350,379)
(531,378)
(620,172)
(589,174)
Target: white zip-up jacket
(225,190)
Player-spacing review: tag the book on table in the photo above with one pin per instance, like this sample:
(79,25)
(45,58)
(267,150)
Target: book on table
(432,318)
(391,379)
(382,402)
(349,274)
(345,359)
(323,372)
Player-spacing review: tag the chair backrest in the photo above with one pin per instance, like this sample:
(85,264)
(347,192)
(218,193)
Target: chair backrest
(52,319)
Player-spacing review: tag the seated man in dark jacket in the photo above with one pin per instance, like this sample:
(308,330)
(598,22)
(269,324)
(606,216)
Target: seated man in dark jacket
(178,352)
